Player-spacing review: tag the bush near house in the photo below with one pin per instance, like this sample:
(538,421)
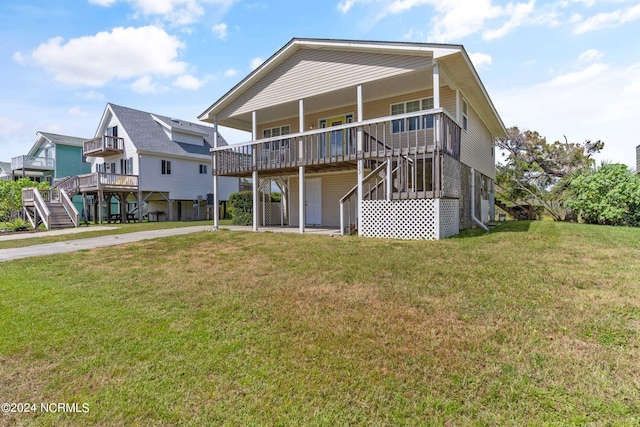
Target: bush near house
(11,196)
(609,195)
(241,208)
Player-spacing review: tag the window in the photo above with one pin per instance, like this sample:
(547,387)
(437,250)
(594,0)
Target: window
(166,167)
(203,169)
(101,167)
(412,123)
(274,132)
(126,166)
(465,111)
(112,131)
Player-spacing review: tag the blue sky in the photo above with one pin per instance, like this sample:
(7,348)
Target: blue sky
(564,68)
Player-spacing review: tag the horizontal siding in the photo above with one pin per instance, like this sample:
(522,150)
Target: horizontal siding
(476,146)
(334,187)
(371,110)
(331,70)
(184,183)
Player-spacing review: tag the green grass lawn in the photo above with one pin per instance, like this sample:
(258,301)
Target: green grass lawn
(532,324)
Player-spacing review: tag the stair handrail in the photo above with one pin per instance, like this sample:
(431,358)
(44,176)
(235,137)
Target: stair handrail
(69,184)
(41,208)
(351,192)
(69,207)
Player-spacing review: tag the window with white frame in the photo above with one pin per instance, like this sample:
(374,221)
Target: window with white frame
(126,166)
(465,114)
(166,167)
(274,132)
(412,123)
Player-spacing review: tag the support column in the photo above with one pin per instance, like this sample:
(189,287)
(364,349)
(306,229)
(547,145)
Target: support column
(256,201)
(436,84)
(301,175)
(140,215)
(256,198)
(302,202)
(359,155)
(100,200)
(214,170)
(389,178)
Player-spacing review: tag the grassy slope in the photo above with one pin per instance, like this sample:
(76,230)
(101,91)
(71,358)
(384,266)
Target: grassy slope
(534,323)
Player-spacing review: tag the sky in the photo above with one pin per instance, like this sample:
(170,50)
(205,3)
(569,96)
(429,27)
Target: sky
(565,68)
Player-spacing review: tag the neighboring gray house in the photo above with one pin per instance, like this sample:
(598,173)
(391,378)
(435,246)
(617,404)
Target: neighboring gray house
(5,171)
(163,160)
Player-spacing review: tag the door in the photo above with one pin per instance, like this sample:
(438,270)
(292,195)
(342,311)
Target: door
(339,141)
(313,201)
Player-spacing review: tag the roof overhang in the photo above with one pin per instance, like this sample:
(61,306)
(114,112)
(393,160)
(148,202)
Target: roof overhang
(459,72)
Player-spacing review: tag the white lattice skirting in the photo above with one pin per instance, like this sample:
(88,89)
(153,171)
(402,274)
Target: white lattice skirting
(413,219)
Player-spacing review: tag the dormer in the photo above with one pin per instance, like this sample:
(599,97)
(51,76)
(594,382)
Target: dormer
(181,131)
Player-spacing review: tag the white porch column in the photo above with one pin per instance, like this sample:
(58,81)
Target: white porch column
(256,198)
(359,148)
(301,172)
(216,201)
(301,194)
(436,84)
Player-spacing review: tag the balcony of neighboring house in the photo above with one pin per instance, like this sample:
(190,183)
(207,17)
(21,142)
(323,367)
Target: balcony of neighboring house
(31,163)
(103,146)
(106,182)
(411,141)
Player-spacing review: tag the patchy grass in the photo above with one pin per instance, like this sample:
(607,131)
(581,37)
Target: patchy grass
(532,324)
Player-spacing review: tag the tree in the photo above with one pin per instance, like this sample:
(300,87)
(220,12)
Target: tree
(11,196)
(537,172)
(609,195)
(241,208)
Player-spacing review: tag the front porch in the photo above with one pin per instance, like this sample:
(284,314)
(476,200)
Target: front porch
(400,170)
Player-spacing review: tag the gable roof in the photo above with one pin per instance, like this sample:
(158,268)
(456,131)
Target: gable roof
(454,58)
(148,133)
(5,167)
(54,138)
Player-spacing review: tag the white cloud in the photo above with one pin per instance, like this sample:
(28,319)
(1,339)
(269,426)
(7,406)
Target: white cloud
(220,30)
(9,126)
(601,106)
(590,55)
(231,72)
(579,76)
(256,62)
(91,95)
(189,82)
(144,85)
(122,53)
(519,14)
(608,20)
(480,59)
(179,12)
(76,112)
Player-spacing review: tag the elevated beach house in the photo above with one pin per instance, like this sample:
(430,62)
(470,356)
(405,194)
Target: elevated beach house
(140,164)
(386,139)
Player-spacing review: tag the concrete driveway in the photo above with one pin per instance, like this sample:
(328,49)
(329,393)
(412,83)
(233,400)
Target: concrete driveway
(95,242)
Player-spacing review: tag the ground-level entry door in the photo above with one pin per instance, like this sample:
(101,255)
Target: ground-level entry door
(313,200)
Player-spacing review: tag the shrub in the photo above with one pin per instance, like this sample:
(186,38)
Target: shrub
(18,224)
(241,208)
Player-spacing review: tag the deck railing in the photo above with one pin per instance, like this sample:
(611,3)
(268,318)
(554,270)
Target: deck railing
(31,197)
(102,181)
(400,135)
(104,144)
(69,207)
(32,163)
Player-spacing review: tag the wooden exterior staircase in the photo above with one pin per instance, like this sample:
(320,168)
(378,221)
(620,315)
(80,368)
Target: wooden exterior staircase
(53,208)
(519,212)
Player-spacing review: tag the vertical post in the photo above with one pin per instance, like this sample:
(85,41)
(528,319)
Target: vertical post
(100,199)
(254,150)
(389,178)
(256,200)
(436,84)
(139,205)
(214,171)
(301,194)
(359,156)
